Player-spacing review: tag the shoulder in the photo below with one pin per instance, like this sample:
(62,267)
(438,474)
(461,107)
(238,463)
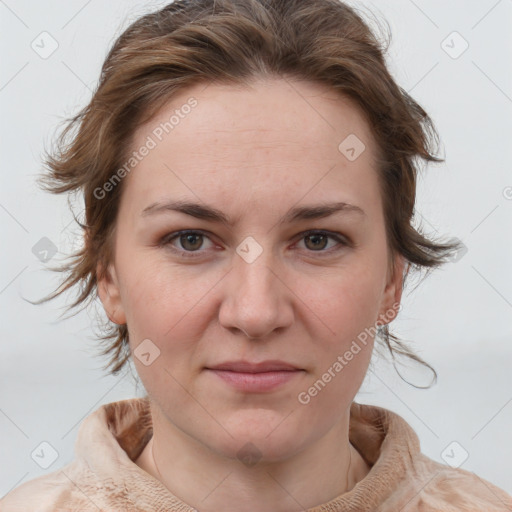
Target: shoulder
(101,473)
(63,490)
(46,492)
(434,487)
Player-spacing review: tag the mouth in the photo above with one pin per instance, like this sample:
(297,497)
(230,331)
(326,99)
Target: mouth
(256,377)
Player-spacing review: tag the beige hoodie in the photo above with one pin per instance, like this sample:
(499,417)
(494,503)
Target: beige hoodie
(104,477)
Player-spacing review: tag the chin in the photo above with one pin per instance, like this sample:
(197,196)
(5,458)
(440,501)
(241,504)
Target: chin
(265,435)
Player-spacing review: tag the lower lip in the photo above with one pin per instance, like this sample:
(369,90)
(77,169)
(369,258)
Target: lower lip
(256,382)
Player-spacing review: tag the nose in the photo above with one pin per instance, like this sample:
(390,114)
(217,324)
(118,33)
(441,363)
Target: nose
(257,300)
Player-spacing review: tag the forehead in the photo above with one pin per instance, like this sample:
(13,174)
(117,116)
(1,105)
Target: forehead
(299,111)
(278,134)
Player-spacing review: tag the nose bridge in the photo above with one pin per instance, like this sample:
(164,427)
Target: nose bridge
(255,281)
(255,303)
(255,278)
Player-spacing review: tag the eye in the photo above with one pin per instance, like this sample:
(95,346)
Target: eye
(191,241)
(317,241)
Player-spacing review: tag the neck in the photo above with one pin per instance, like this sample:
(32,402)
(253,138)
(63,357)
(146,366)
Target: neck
(209,482)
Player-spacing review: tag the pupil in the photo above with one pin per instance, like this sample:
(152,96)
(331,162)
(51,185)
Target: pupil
(188,239)
(316,237)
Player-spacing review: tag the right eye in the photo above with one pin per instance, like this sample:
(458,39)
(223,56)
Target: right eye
(190,241)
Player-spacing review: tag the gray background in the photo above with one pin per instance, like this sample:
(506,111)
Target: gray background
(459,319)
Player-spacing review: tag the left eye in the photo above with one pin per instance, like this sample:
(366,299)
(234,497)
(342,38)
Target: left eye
(319,240)
(192,241)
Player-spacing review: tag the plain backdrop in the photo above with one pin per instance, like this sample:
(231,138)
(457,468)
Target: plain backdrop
(454,58)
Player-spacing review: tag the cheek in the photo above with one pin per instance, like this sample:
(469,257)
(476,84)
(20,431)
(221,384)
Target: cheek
(346,301)
(348,304)
(157,294)
(168,306)
(164,307)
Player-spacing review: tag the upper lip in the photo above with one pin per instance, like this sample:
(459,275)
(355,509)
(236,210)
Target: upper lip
(248,367)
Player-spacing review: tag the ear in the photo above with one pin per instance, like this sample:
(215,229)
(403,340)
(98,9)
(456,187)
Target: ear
(393,291)
(109,293)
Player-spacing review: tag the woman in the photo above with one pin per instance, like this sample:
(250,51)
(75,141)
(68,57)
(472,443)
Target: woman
(248,171)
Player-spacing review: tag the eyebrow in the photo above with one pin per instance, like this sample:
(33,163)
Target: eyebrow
(204,212)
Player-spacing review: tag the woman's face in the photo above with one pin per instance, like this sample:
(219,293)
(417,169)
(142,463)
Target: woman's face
(255,287)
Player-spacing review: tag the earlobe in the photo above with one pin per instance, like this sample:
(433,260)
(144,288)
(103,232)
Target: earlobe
(393,292)
(109,294)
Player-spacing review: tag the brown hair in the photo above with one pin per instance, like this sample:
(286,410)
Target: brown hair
(234,42)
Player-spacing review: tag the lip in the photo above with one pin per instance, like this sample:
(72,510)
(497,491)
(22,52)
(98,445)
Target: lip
(256,377)
(248,367)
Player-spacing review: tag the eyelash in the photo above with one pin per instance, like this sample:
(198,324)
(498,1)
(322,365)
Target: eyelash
(167,239)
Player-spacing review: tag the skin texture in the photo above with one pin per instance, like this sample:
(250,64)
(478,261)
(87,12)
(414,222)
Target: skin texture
(253,153)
